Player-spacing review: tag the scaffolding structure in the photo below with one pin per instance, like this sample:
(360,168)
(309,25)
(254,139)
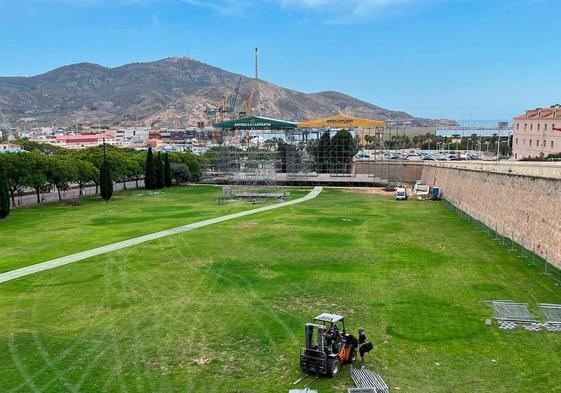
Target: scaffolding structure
(254,157)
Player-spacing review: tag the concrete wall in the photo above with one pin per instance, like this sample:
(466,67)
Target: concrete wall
(551,170)
(522,202)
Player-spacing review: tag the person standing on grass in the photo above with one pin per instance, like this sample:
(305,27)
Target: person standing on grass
(363,345)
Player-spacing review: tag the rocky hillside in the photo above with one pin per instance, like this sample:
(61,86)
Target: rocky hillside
(174,92)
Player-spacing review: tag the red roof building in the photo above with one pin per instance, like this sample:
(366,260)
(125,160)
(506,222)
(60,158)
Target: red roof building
(537,133)
(81,141)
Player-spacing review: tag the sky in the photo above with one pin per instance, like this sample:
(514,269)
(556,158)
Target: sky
(457,59)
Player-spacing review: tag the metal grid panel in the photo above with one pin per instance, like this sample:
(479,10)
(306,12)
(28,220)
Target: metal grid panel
(515,312)
(365,378)
(302,391)
(551,312)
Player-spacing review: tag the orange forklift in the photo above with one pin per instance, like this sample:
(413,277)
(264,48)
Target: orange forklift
(328,346)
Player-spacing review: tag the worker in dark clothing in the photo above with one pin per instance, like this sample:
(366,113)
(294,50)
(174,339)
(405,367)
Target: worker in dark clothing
(354,345)
(363,345)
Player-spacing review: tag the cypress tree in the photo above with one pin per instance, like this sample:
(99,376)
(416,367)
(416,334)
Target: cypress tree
(4,195)
(167,171)
(106,181)
(160,177)
(105,178)
(150,171)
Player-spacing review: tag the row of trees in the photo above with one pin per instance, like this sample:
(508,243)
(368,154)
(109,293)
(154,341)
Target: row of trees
(433,142)
(157,171)
(43,173)
(44,168)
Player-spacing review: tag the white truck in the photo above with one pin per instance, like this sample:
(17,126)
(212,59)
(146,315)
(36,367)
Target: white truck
(401,194)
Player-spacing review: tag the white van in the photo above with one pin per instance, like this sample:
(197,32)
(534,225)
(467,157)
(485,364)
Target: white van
(401,194)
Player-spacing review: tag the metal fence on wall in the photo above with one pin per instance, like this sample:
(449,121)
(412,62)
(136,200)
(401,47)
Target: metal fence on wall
(531,253)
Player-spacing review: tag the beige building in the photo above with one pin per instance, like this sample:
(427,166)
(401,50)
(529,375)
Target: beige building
(537,133)
(78,141)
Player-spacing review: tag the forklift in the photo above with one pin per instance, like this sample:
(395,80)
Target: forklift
(328,346)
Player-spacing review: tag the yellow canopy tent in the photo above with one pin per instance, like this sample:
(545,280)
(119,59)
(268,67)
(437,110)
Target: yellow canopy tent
(342,122)
(364,127)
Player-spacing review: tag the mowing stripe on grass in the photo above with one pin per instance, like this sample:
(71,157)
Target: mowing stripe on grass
(39,267)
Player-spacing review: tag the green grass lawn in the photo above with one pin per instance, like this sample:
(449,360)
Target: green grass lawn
(41,233)
(222,309)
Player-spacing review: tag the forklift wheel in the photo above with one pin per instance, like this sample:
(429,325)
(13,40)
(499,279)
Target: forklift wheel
(353,356)
(333,367)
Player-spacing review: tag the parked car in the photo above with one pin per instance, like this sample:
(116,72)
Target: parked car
(362,156)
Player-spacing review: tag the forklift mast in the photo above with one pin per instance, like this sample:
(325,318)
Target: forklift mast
(309,332)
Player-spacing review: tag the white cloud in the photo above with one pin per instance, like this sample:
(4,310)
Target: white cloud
(356,8)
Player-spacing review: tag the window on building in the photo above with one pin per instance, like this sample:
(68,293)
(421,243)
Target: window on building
(524,141)
(516,156)
(538,126)
(525,126)
(545,127)
(530,142)
(552,144)
(531,127)
(517,141)
(544,142)
(517,126)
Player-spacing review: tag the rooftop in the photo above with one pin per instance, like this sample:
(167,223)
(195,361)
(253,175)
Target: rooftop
(326,317)
(553,112)
(83,138)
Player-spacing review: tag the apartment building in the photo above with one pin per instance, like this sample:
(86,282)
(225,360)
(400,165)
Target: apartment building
(537,133)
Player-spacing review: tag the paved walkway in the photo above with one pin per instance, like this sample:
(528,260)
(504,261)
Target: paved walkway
(73,193)
(39,267)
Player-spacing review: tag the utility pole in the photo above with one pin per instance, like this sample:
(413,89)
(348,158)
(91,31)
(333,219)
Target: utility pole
(480,143)
(104,152)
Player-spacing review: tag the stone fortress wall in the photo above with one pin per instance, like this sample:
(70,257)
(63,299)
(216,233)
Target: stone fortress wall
(520,200)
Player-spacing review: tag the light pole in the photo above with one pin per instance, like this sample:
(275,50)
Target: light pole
(498,144)
(480,142)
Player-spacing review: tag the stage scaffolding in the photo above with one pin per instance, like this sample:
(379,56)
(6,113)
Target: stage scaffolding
(254,158)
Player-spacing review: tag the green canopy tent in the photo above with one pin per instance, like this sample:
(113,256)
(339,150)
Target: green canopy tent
(256,123)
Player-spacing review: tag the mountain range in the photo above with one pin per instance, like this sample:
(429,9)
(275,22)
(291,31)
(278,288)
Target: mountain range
(174,92)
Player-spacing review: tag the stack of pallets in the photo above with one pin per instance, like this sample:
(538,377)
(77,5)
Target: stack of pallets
(551,313)
(512,312)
